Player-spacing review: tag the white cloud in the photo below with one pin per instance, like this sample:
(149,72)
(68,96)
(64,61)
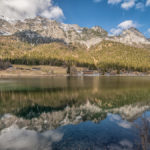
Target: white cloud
(115,31)
(126,143)
(127,4)
(127,24)
(15,138)
(21,9)
(140,6)
(148,3)
(148,31)
(119,121)
(97,1)
(114,117)
(124,124)
(123,26)
(114,1)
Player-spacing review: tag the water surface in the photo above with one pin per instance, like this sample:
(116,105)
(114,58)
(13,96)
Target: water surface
(75,113)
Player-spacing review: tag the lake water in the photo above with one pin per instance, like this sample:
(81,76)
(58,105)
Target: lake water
(75,113)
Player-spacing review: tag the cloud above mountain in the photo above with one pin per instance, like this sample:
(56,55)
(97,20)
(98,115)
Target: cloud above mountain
(123,26)
(21,9)
(114,1)
(127,24)
(97,1)
(148,31)
(148,3)
(128,4)
(140,6)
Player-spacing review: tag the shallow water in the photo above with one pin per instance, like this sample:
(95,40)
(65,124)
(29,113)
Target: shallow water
(75,113)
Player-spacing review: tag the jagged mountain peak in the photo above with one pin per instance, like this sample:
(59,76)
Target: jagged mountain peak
(132,36)
(69,33)
(134,31)
(48,30)
(97,28)
(70,27)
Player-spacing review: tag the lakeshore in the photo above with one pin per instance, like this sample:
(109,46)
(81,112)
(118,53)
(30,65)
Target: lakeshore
(49,71)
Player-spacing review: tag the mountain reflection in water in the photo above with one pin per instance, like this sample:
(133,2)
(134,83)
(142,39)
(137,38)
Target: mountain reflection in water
(74,113)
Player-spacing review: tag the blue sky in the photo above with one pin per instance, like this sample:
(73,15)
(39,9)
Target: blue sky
(106,13)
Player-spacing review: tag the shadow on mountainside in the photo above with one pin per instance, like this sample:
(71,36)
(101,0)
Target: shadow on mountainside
(33,37)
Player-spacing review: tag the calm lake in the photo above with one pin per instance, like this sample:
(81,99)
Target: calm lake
(75,113)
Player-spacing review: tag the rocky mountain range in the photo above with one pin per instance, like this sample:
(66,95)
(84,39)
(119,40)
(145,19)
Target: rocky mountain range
(42,30)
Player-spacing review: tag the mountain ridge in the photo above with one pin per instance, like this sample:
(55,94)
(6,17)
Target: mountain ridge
(42,29)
